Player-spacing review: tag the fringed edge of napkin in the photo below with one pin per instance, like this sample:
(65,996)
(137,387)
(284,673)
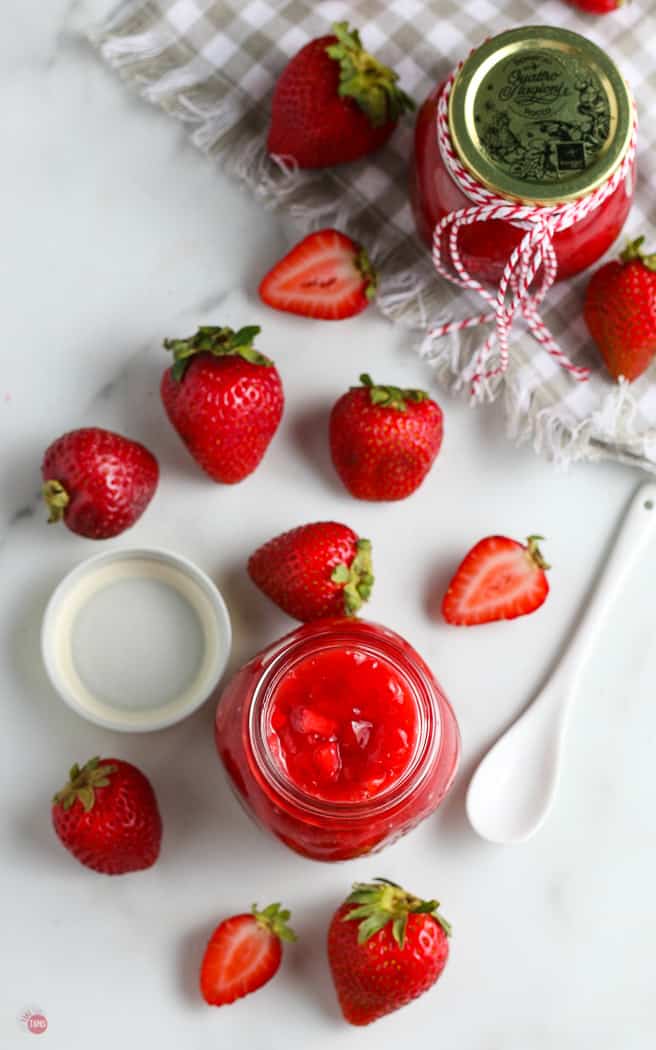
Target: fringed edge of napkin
(234,131)
(605,435)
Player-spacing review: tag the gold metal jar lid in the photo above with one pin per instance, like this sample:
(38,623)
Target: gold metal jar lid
(540,114)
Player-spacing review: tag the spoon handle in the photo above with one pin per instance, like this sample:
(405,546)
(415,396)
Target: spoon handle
(636,530)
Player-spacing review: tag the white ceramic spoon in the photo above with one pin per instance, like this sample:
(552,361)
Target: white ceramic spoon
(514,786)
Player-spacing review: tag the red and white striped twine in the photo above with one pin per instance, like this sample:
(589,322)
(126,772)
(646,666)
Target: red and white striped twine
(534,254)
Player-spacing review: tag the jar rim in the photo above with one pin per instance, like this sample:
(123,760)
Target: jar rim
(541,115)
(336,634)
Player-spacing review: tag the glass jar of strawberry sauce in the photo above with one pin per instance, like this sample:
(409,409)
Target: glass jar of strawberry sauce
(337,738)
(539,115)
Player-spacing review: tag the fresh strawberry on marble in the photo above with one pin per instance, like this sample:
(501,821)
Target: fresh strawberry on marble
(244,953)
(334,102)
(499,579)
(97,482)
(316,570)
(384,440)
(327,276)
(224,398)
(386,947)
(620,311)
(107,816)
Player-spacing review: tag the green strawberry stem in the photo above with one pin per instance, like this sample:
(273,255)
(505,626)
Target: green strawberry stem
(221,342)
(534,552)
(56,499)
(82,784)
(358,578)
(382,901)
(391,396)
(634,251)
(368,273)
(366,80)
(274,919)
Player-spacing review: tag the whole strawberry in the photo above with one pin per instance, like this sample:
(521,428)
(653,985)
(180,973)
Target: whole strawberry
(326,275)
(98,482)
(597,7)
(620,311)
(107,817)
(383,440)
(224,398)
(333,102)
(243,953)
(499,579)
(316,570)
(386,947)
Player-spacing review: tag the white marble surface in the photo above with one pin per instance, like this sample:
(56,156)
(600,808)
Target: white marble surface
(117,233)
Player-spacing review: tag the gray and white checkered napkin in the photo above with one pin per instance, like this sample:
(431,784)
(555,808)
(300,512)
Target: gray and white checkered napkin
(213,63)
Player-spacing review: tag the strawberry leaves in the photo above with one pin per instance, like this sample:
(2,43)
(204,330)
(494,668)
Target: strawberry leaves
(634,250)
(358,578)
(275,918)
(82,784)
(366,80)
(220,342)
(391,396)
(381,902)
(56,499)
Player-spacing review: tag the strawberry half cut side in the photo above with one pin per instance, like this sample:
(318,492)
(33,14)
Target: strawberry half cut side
(327,276)
(243,953)
(499,579)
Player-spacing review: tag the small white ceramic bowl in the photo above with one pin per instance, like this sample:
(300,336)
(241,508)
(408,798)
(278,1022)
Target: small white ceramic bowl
(135,639)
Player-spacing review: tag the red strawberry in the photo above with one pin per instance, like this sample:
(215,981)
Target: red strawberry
(383,440)
(333,102)
(326,275)
(386,947)
(99,482)
(620,311)
(597,7)
(224,398)
(315,570)
(107,816)
(243,953)
(499,579)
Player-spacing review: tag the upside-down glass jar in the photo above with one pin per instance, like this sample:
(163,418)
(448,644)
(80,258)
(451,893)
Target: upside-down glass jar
(538,115)
(337,738)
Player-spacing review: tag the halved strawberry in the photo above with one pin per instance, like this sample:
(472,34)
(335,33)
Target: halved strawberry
(243,953)
(326,275)
(499,579)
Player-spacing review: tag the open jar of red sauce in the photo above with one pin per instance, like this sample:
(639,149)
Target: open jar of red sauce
(538,115)
(337,738)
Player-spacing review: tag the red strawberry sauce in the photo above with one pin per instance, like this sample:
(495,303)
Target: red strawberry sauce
(337,738)
(343,725)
